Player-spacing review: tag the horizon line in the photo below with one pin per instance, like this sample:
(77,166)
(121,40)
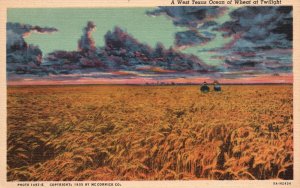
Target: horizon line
(147,84)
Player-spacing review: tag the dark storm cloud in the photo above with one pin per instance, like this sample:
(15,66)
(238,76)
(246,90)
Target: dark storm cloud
(22,58)
(189,16)
(208,24)
(263,62)
(133,54)
(266,66)
(197,19)
(120,42)
(257,33)
(86,41)
(261,27)
(122,52)
(191,38)
(16,33)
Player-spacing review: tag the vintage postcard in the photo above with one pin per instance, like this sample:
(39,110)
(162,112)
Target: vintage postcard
(150,93)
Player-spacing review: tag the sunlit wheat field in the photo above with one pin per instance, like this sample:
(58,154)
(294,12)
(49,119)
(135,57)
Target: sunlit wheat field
(149,133)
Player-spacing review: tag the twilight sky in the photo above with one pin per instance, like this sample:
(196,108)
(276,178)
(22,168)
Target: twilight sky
(139,45)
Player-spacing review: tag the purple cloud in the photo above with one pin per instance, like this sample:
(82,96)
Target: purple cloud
(196,19)
(260,35)
(122,52)
(191,38)
(86,42)
(22,58)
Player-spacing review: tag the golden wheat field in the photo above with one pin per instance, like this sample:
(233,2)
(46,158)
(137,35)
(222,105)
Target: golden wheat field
(149,133)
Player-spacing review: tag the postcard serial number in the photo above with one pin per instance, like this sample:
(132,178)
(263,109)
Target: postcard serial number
(282,183)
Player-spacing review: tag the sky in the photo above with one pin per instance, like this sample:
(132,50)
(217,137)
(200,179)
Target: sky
(197,44)
(70,22)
